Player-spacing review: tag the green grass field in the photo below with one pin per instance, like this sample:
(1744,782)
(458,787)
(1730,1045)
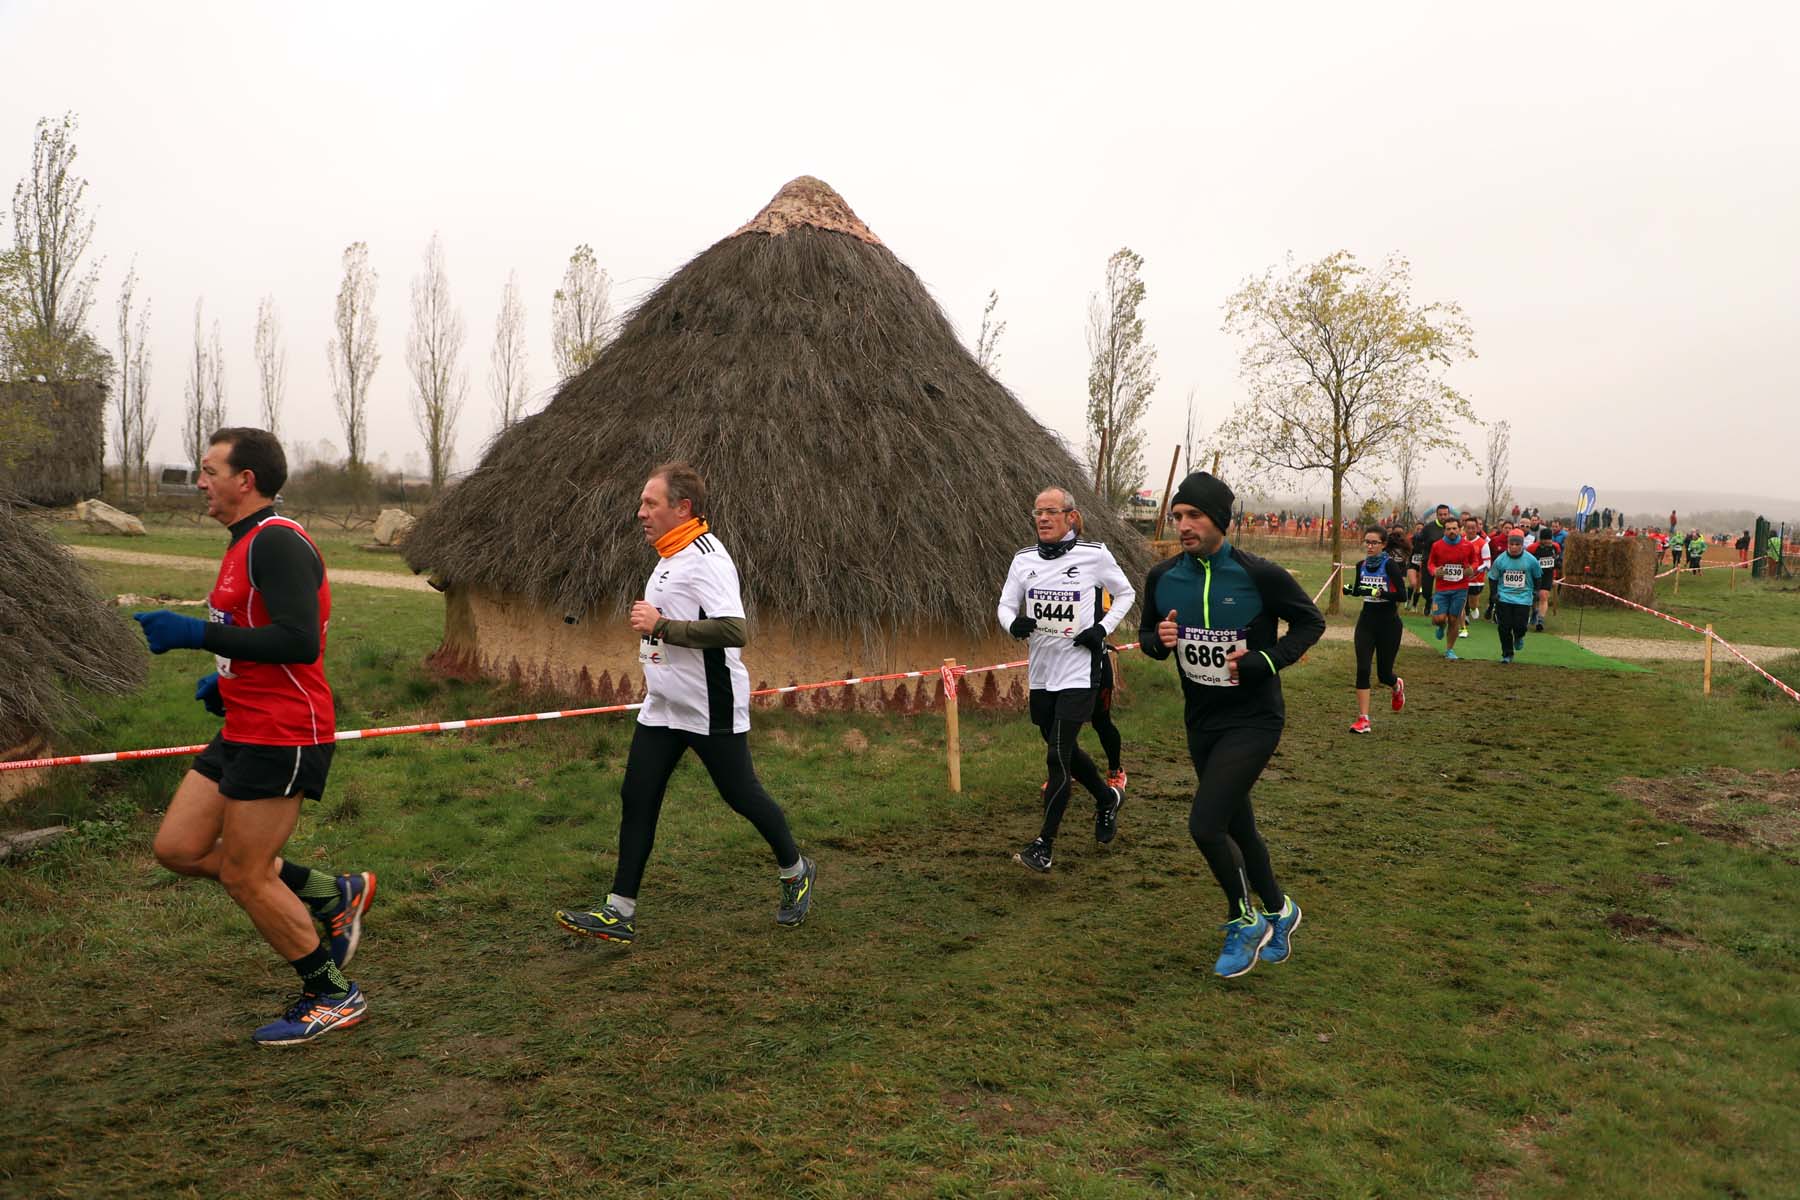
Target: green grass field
(1540,649)
(207,540)
(1513,979)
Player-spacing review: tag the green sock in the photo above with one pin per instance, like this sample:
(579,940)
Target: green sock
(319,976)
(317,890)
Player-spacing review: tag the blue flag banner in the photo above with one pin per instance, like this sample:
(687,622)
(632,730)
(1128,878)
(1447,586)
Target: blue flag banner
(1584,505)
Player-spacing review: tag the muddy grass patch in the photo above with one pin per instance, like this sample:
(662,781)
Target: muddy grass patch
(1759,808)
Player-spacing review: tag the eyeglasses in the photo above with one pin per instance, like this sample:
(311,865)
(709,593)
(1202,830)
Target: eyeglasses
(1050,512)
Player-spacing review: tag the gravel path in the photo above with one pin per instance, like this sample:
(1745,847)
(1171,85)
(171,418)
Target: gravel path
(381,579)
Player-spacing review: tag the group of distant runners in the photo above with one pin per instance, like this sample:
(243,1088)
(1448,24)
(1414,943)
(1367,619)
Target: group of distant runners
(1214,608)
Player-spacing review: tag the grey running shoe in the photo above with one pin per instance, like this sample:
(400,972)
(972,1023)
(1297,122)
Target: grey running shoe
(603,921)
(797,895)
(1036,856)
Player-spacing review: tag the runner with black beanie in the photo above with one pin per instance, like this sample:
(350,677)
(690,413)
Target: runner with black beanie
(1215,608)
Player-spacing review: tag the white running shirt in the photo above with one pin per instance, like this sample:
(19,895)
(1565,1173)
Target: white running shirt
(1063,593)
(698,691)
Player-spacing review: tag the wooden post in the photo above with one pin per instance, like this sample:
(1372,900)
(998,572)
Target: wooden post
(1734,572)
(1706,671)
(952,734)
(1163,512)
(1678,580)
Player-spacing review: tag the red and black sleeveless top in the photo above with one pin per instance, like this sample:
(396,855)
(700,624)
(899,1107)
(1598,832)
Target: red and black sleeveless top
(270,704)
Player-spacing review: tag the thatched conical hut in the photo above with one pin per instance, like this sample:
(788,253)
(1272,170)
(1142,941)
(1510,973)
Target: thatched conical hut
(62,427)
(870,479)
(58,638)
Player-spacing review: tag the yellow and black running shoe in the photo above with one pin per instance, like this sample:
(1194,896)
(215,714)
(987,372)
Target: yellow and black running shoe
(797,895)
(602,921)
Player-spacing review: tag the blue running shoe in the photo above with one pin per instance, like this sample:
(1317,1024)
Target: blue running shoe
(1518,641)
(344,923)
(1505,658)
(1437,631)
(1281,941)
(1244,940)
(312,1017)
(1450,655)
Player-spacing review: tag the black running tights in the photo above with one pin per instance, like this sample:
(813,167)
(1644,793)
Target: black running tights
(655,750)
(1110,739)
(1064,762)
(1378,639)
(1227,763)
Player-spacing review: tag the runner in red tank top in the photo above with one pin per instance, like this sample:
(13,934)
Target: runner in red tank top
(235,809)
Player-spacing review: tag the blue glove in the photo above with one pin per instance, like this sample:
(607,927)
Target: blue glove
(167,631)
(207,693)
(1091,638)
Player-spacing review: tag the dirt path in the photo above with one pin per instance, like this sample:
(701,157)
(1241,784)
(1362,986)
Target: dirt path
(182,562)
(1679,649)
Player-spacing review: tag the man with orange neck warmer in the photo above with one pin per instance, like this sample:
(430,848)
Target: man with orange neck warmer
(690,627)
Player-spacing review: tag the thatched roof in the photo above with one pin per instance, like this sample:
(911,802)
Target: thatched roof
(865,471)
(57,636)
(63,426)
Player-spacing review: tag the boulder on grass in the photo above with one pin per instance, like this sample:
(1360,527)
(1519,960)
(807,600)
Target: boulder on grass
(392,526)
(97,516)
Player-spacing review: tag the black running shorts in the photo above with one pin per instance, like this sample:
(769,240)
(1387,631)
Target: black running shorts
(245,771)
(1071,704)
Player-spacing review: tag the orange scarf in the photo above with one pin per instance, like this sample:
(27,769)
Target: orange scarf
(680,537)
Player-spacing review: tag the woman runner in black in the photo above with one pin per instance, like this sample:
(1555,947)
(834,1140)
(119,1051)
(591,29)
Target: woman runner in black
(1380,579)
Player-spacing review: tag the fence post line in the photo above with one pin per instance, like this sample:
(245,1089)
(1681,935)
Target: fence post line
(952,734)
(1678,581)
(1706,671)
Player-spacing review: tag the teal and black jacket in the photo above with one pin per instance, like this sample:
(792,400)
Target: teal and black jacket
(1232,589)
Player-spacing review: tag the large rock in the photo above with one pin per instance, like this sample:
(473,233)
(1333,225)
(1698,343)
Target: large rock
(100,517)
(392,526)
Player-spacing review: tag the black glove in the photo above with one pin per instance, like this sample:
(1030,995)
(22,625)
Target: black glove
(1091,638)
(1022,626)
(1349,589)
(207,692)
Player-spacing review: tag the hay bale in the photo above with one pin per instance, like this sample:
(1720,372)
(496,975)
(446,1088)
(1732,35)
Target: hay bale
(64,456)
(58,637)
(1623,566)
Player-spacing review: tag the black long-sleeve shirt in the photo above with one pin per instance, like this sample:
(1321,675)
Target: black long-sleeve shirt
(287,572)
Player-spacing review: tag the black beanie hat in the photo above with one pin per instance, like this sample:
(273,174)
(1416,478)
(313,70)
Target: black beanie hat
(1209,495)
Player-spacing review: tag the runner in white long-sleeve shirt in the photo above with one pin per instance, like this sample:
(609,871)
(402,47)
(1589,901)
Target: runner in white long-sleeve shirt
(1053,598)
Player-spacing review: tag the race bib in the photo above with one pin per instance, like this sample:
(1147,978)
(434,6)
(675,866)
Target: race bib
(1548,562)
(650,652)
(1512,579)
(1202,654)
(1453,572)
(220,662)
(1373,587)
(1054,610)
(1418,558)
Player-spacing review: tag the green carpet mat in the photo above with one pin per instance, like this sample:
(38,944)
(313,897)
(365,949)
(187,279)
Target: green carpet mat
(1540,650)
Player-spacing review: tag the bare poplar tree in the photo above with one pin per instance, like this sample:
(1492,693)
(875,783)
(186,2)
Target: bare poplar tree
(143,421)
(271,363)
(433,346)
(509,378)
(352,352)
(1189,442)
(215,383)
(1121,377)
(51,231)
(987,344)
(580,314)
(194,429)
(1342,367)
(123,429)
(1499,464)
(1406,472)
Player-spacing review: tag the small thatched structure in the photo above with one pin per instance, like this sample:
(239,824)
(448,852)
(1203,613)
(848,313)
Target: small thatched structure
(62,427)
(57,638)
(1623,566)
(870,479)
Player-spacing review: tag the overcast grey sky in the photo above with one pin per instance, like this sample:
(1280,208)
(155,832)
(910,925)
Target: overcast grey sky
(1611,191)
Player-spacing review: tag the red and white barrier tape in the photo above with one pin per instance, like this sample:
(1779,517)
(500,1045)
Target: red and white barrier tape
(1335,568)
(1705,566)
(946,673)
(1735,652)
